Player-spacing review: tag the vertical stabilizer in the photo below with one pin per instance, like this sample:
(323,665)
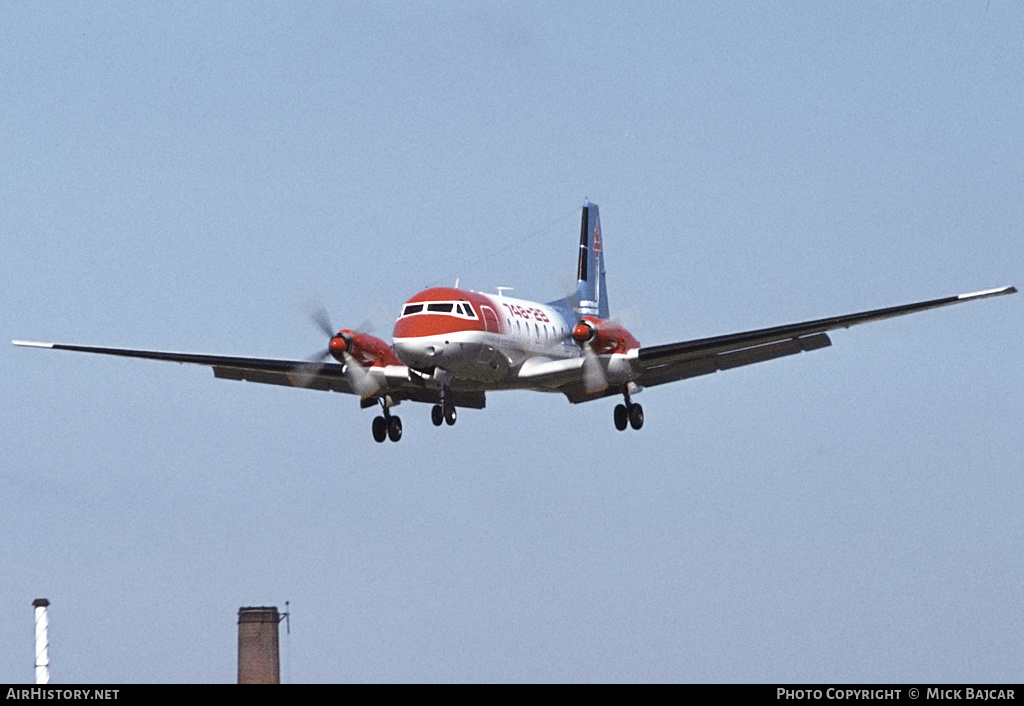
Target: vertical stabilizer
(590,278)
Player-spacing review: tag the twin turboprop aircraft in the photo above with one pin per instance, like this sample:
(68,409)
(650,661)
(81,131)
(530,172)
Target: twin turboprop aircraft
(451,346)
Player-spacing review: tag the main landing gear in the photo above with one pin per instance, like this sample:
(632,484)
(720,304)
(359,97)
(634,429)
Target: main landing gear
(629,413)
(443,414)
(387,426)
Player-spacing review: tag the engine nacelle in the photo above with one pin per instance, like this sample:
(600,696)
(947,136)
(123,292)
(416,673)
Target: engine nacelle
(368,350)
(603,336)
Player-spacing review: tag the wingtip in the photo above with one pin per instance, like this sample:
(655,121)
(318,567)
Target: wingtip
(989,293)
(32,344)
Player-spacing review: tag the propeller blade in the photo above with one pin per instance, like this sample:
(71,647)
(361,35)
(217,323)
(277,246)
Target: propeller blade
(317,313)
(321,318)
(304,373)
(362,382)
(594,379)
(629,318)
(374,320)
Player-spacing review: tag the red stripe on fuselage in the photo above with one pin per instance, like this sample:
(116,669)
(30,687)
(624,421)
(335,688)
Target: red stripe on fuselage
(438,324)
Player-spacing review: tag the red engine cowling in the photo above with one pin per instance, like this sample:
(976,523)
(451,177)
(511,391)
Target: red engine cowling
(368,350)
(603,336)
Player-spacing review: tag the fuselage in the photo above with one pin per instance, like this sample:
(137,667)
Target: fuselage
(480,337)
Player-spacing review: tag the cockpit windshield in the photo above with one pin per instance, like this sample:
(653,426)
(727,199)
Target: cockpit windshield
(461,308)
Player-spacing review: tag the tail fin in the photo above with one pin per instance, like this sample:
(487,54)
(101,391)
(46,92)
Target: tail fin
(591,293)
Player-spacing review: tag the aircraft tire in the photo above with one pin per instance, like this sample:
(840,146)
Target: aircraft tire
(436,415)
(450,415)
(395,428)
(380,429)
(621,417)
(636,416)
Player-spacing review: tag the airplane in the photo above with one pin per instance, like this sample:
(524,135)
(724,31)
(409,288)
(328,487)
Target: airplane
(451,346)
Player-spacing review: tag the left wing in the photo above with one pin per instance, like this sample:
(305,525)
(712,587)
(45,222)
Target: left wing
(291,373)
(655,365)
(394,381)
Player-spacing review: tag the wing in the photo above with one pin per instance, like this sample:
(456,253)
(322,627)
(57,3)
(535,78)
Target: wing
(394,380)
(291,373)
(655,365)
(677,361)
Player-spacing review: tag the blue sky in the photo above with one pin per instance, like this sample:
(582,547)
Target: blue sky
(184,176)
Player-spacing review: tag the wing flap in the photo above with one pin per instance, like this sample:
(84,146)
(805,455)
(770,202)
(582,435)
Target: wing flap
(318,381)
(694,367)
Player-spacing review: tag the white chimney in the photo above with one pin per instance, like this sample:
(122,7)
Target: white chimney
(42,641)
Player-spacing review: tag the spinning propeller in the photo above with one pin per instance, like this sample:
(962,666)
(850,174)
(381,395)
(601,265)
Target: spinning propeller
(340,346)
(594,378)
(597,337)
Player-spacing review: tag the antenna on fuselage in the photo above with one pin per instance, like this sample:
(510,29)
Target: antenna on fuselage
(501,290)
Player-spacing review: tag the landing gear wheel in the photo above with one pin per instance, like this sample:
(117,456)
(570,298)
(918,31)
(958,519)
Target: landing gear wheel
(394,428)
(436,416)
(621,417)
(450,414)
(380,429)
(636,416)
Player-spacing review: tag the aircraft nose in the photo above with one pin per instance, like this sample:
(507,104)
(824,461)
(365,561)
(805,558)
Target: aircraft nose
(417,354)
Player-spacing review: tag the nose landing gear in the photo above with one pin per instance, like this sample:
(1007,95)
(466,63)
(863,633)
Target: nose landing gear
(445,411)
